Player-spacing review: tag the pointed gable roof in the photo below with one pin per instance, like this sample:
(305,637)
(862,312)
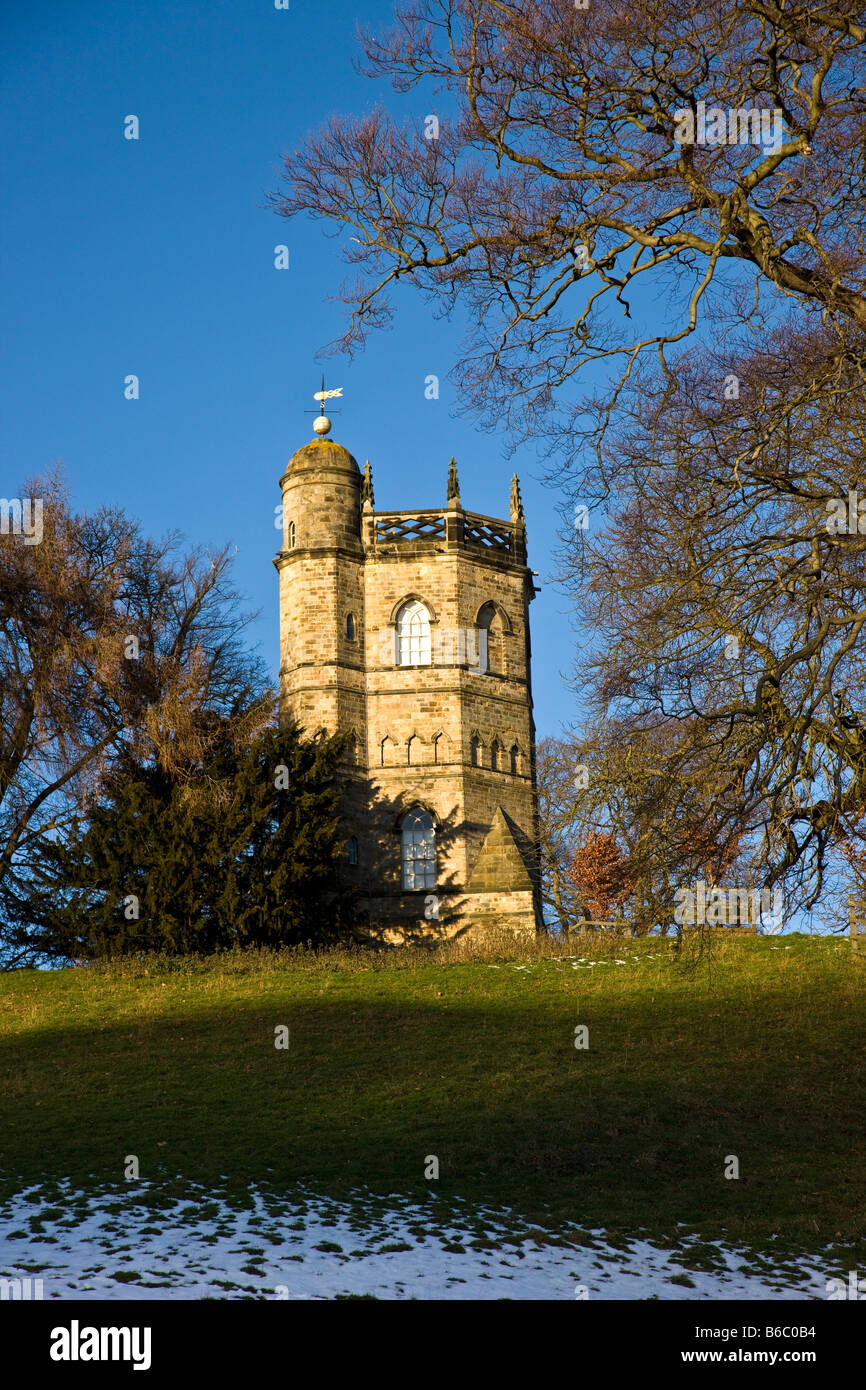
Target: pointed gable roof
(501,866)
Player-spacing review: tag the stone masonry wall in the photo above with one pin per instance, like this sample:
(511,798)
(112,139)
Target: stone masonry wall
(413,725)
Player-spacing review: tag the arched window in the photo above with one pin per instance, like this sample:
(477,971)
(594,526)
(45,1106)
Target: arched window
(494,755)
(419,851)
(440,748)
(352,851)
(514,763)
(413,635)
(350,626)
(491,644)
(475,750)
(291,535)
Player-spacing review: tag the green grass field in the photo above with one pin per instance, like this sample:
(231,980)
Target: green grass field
(757,1053)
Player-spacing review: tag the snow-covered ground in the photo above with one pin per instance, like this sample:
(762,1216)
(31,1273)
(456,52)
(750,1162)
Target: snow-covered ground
(139,1244)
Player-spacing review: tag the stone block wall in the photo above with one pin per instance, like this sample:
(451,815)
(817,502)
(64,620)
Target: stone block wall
(414,727)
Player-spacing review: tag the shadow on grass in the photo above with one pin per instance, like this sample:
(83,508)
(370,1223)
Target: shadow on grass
(635,1132)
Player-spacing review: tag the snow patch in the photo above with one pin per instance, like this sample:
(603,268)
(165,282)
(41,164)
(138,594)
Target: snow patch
(139,1243)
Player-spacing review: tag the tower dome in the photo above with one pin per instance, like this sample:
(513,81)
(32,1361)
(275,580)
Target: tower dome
(322,497)
(321,454)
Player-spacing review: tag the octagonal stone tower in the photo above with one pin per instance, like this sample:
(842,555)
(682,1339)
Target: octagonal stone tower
(409,632)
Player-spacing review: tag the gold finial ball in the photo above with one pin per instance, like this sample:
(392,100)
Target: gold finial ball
(321,424)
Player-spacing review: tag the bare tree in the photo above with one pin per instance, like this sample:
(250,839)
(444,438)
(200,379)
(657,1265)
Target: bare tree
(556,771)
(108,642)
(727,589)
(627,818)
(585,164)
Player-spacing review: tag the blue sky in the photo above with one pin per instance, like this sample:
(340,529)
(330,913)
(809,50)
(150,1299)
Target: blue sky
(156,257)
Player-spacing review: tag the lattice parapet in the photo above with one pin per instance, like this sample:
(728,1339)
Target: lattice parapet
(454,527)
(403,526)
(491,535)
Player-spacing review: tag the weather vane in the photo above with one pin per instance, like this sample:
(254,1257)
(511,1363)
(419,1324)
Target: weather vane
(322,424)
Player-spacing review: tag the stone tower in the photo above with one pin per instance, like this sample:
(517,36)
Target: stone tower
(409,632)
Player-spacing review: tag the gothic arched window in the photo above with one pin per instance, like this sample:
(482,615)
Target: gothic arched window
(475,750)
(491,645)
(352,851)
(514,763)
(419,851)
(291,535)
(494,755)
(413,635)
(350,627)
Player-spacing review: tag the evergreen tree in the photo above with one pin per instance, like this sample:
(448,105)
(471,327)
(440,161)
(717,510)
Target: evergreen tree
(243,851)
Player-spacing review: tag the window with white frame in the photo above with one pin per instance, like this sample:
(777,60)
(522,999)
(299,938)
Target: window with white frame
(413,635)
(419,851)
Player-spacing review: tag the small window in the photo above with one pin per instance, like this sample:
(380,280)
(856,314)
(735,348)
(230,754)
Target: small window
(291,535)
(494,757)
(352,851)
(419,851)
(514,767)
(475,751)
(350,627)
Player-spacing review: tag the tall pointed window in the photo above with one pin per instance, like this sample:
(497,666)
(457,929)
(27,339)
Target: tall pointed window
(291,535)
(419,851)
(413,635)
(491,630)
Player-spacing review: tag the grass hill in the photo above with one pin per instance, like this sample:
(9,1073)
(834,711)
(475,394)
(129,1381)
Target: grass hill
(755,1052)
